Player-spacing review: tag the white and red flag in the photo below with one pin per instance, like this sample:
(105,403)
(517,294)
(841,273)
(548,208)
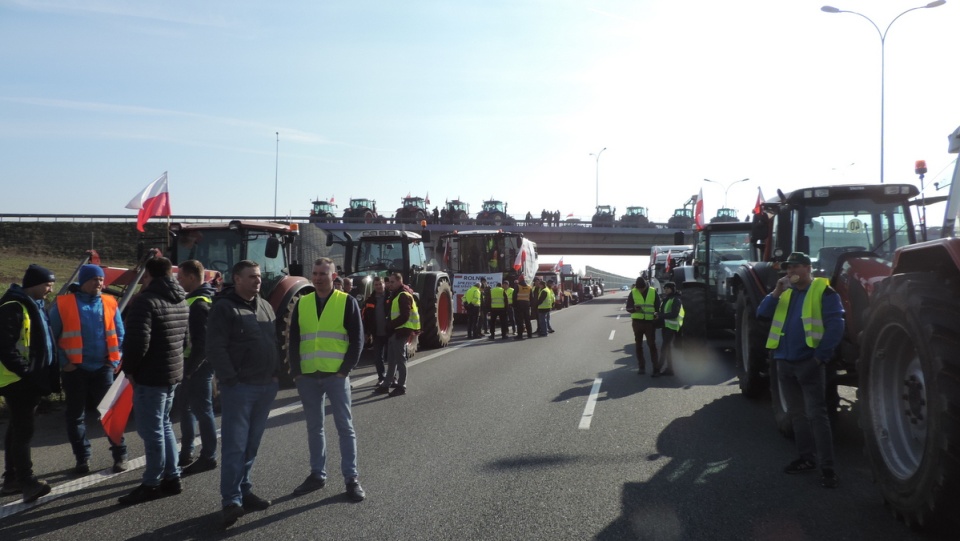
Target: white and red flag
(154,200)
(559,266)
(115,408)
(669,262)
(698,212)
(331,199)
(756,207)
(520,260)
(427,199)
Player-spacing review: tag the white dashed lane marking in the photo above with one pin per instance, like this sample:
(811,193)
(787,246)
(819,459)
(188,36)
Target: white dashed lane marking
(591,404)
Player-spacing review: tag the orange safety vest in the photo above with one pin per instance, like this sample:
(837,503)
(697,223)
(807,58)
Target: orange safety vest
(71,339)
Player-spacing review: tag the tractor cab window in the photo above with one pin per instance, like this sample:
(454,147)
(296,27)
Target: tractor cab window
(218,250)
(416,254)
(380,256)
(272,270)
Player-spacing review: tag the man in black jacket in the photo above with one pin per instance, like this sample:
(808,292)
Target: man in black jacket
(196,392)
(156,324)
(27,372)
(243,348)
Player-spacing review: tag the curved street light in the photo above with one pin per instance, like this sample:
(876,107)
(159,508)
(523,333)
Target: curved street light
(883,41)
(728,187)
(598,173)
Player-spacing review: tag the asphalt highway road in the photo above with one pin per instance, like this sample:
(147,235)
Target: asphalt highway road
(552,438)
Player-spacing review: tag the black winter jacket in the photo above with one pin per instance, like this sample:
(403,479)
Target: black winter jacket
(46,378)
(242,343)
(156,323)
(197,335)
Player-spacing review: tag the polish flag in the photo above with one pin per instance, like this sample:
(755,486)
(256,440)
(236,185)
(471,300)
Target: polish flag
(154,200)
(520,260)
(570,215)
(669,262)
(331,199)
(427,200)
(446,253)
(756,207)
(558,266)
(698,213)
(115,408)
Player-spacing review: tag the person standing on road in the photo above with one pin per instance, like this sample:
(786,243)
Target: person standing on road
(521,307)
(471,301)
(327,328)
(545,300)
(157,321)
(643,303)
(807,327)
(375,325)
(484,306)
(511,317)
(197,387)
(498,307)
(404,328)
(672,317)
(88,330)
(243,348)
(27,372)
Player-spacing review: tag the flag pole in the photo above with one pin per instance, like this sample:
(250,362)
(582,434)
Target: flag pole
(276,177)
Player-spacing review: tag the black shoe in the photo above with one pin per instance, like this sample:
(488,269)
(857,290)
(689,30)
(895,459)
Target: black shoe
(252,502)
(394,384)
(381,389)
(82,467)
(311,484)
(199,466)
(654,374)
(185,460)
(355,491)
(379,382)
(828,480)
(800,465)
(120,466)
(399,391)
(141,494)
(529,336)
(505,337)
(551,330)
(171,486)
(231,514)
(35,488)
(518,337)
(10,485)
(491,337)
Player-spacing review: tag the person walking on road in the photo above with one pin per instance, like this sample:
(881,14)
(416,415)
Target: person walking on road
(27,372)
(672,318)
(807,326)
(404,328)
(521,307)
(375,326)
(327,329)
(243,349)
(157,321)
(197,386)
(498,308)
(88,329)
(643,303)
(471,301)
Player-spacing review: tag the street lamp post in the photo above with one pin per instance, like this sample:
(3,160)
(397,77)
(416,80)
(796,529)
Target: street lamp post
(598,173)
(883,41)
(727,188)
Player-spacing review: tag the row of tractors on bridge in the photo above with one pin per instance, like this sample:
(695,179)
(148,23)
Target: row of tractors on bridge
(900,292)
(414,210)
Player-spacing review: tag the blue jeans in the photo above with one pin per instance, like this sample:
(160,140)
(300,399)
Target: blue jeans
(197,398)
(152,412)
(337,390)
(85,389)
(543,322)
(804,387)
(245,411)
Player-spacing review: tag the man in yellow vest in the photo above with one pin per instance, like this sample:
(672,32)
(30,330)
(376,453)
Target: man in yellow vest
(643,303)
(88,330)
(27,372)
(807,326)
(197,386)
(511,319)
(326,337)
(498,310)
(522,297)
(471,301)
(672,318)
(545,301)
(404,328)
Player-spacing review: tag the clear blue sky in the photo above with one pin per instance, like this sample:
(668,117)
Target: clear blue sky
(466,99)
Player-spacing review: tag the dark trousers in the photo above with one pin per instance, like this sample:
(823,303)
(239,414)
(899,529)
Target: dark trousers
(803,384)
(85,389)
(396,360)
(198,408)
(473,323)
(522,314)
(484,317)
(511,319)
(380,355)
(22,399)
(498,313)
(643,328)
(666,347)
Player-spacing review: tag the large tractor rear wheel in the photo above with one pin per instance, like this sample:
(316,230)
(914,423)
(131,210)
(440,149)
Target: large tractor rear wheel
(909,394)
(778,404)
(695,316)
(436,320)
(751,353)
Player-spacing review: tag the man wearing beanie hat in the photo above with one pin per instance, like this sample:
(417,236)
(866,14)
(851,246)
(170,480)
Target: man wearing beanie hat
(27,372)
(88,330)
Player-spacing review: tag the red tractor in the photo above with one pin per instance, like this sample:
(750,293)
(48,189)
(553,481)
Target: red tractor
(902,303)
(413,211)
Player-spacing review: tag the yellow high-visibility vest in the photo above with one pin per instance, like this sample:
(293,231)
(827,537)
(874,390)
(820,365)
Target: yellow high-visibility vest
(673,324)
(811,313)
(643,306)
(23,346)
(323,340)
(413,322)
(496,298)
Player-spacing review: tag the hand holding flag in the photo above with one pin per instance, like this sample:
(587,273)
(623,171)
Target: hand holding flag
(154,200)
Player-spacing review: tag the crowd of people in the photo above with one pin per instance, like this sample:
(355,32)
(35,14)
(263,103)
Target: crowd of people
(514,304)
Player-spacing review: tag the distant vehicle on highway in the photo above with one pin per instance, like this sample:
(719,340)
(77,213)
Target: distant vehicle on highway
(624,288)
